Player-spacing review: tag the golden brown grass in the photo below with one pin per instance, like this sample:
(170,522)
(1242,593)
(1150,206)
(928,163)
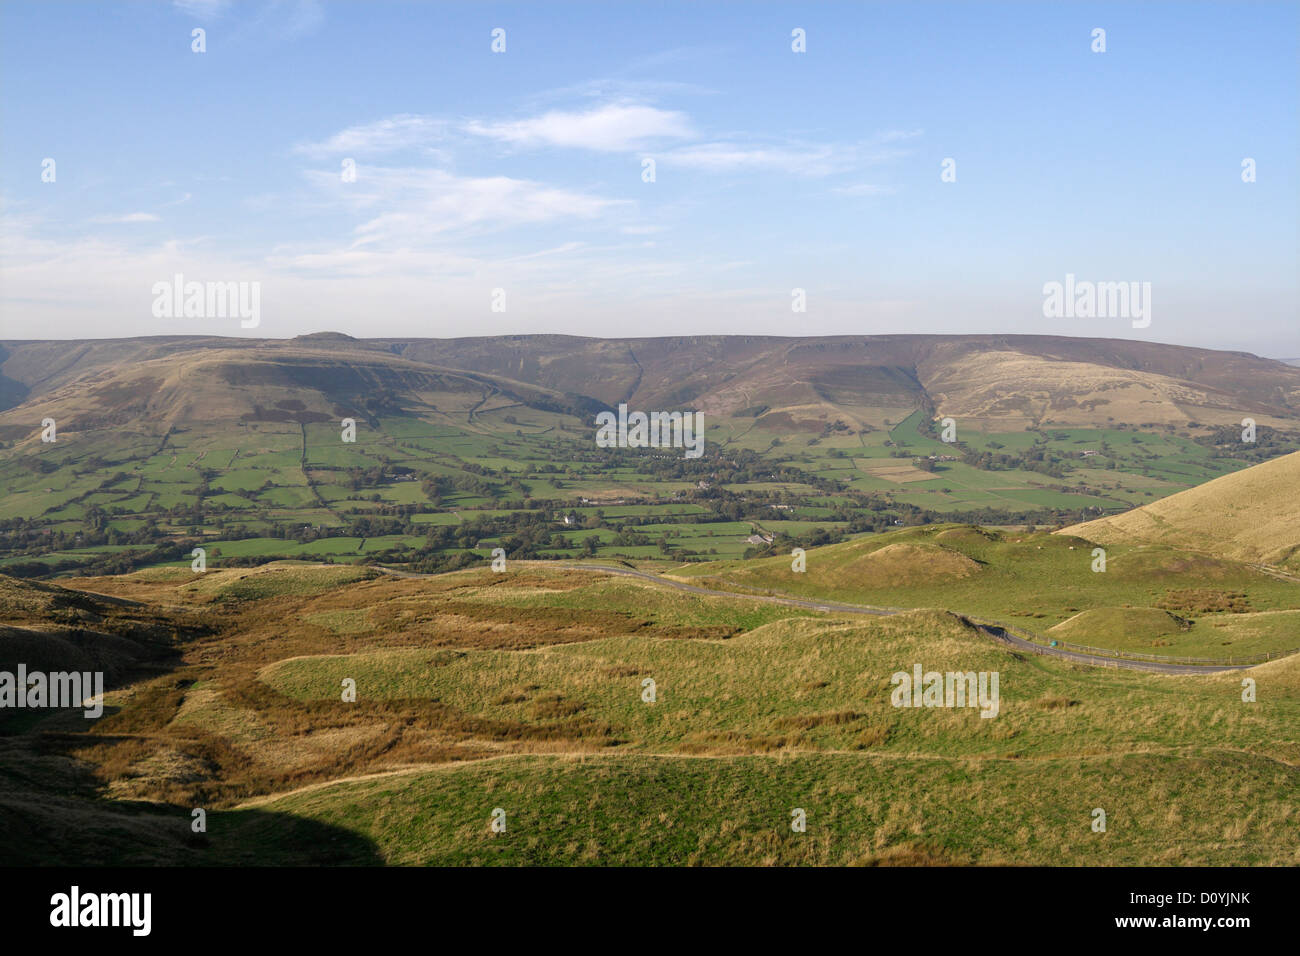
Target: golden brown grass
(1250,515)
(464,667)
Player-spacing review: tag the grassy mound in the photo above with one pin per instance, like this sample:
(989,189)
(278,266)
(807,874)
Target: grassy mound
(276,579)
(903,559)
(1034,580)
(1121,626)
(908,563)
(861,810)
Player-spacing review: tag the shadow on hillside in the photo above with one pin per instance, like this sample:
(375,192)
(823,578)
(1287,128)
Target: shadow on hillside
(259,837)
(53,813)
(50,831)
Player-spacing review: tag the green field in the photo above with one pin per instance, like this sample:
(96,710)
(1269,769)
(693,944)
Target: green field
(259,490)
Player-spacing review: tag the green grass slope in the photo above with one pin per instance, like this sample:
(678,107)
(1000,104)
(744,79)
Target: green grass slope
(861,810)
(1035,581)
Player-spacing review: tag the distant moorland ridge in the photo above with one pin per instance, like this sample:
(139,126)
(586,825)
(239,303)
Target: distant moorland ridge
(796,383)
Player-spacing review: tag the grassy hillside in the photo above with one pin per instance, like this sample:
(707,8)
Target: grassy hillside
(523,691)
(48,627)
(861,810)
(1251,515)
(1038,581)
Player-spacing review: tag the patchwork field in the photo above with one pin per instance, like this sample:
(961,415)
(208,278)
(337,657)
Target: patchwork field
(241,448)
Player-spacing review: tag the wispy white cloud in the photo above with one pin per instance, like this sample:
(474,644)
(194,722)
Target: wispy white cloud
(898,135)
(128,218)
(864,189)
(638,80)
(409,205)
(288,18)
(614,127)
(388,135)
(204,9)
(817,160)
(793,157)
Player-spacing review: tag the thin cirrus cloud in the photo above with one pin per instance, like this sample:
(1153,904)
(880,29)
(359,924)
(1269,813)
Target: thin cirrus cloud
(411,204)
(392,134)
(130,217)
(201,8)
(793,157)
(416,206)
(820,160)
(899,135)
(287,18)
(864,189)
(614,127)
(608,128)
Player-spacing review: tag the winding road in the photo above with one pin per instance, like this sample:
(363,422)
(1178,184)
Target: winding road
(994,631)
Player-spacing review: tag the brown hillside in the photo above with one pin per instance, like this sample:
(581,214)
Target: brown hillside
(1002,381)
(1250,515)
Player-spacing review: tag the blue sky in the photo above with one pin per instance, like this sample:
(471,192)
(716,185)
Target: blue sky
(775,170)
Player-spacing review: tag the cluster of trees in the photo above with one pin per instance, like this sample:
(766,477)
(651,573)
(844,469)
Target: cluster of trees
(373,477)
(120,562)
(1037,459)
(1225,442)
(438,487)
